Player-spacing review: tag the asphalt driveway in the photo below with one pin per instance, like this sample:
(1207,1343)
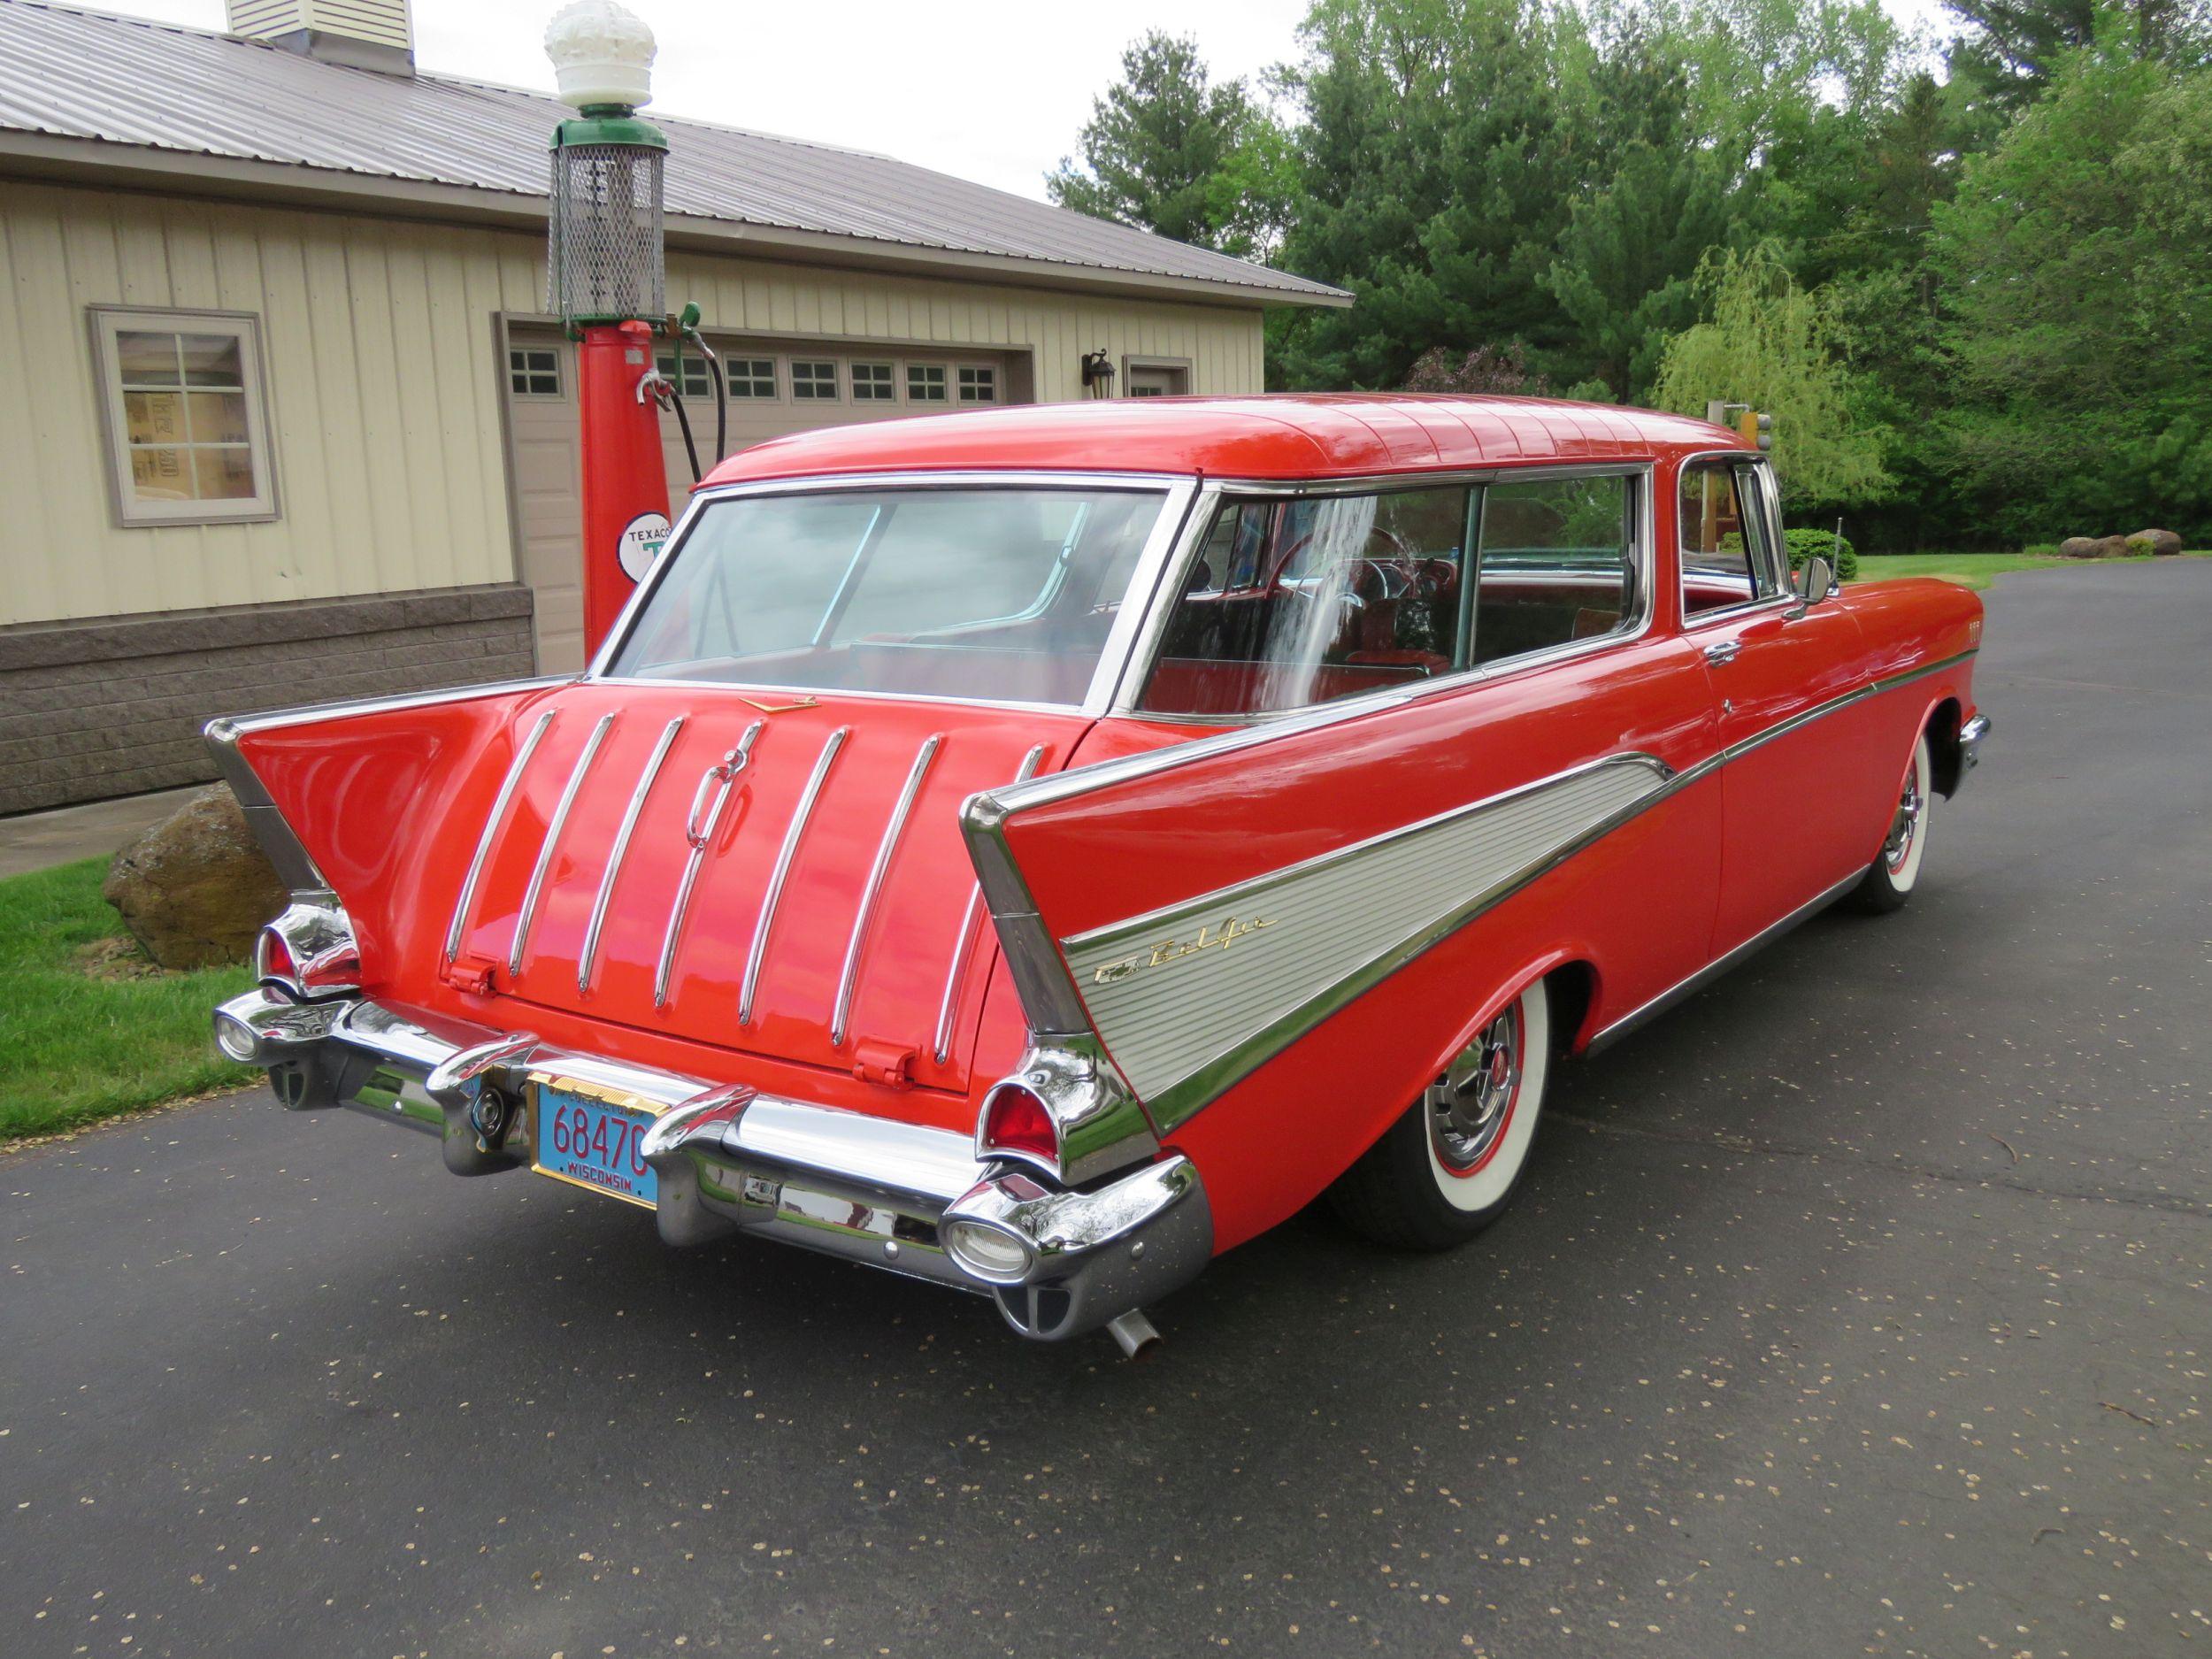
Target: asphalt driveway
(1863,1305)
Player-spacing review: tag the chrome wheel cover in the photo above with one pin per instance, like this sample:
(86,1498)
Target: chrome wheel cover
(1905,828)
(1468,1106)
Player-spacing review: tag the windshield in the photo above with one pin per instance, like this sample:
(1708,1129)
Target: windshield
(1005,595)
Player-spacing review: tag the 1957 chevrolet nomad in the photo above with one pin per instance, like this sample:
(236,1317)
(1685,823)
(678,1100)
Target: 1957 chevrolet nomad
(1039,850)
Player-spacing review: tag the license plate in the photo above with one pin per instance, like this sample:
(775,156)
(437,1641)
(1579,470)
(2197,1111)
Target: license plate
(587,1140)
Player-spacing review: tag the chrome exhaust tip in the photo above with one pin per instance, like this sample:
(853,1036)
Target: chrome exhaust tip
(1137,1334)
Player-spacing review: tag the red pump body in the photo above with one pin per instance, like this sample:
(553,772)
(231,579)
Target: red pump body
(625,484)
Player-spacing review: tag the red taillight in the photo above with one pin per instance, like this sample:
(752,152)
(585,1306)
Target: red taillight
(273,957)
(1015,1120)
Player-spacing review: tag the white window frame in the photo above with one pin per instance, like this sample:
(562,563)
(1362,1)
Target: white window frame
(962,385)
(945,382)
(107,321)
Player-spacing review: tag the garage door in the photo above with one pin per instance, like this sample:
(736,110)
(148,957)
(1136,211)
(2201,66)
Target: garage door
(776,386)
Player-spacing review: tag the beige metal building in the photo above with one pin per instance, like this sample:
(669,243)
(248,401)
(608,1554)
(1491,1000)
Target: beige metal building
(282,417)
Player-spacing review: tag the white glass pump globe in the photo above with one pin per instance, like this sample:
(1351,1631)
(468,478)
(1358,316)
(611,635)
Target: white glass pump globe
(602,54)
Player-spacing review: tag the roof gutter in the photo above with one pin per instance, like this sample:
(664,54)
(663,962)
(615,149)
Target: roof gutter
(176,171)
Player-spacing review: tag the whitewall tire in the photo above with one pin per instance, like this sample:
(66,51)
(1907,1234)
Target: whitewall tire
(1890,880)
(1450,1166)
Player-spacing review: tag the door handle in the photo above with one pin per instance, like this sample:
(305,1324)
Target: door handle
(1722,652)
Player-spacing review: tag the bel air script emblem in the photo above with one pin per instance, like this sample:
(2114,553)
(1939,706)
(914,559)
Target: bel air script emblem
(1213,936)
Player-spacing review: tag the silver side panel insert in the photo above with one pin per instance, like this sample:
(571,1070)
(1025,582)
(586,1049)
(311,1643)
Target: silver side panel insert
(493,820)
(712,794)
(963,943)
(758,953)
(1191,997)
(558,822)
(841,1014)
(589,955)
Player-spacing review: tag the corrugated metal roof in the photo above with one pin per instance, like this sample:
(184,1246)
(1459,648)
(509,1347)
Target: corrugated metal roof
(126,80)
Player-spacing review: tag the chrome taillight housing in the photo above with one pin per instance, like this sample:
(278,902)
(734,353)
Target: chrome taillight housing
(310,951)
(1065,1111)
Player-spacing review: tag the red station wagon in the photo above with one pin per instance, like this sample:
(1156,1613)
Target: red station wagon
(1039,850)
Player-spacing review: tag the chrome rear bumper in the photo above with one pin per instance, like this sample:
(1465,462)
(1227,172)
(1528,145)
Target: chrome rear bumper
(731,1159)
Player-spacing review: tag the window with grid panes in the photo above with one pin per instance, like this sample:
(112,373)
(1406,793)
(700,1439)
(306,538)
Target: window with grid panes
(925,383)
(813,380)
(872,384)
(750,376)
(186,425)
(534,370)
(979,385)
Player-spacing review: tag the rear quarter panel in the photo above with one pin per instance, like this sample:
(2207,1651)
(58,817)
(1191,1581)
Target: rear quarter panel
(1636,904)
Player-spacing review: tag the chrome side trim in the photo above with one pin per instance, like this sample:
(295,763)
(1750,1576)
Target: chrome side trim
(1804,718)
(757,952)
(840,1012)
(721,778)
(589,956)
(1713,969)
(558,822)
(1284,951)
(1174,1078)
(491,831)
(963,942)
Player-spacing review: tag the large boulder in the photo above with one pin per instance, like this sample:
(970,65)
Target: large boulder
(2111,547)
(2079,547)
(194,889)
(2164,543)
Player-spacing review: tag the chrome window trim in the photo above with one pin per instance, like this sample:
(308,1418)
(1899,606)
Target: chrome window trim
(1206,506)
(1683,619)
(1160,544)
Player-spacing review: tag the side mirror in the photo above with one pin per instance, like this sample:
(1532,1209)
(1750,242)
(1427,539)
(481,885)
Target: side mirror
(1815,580)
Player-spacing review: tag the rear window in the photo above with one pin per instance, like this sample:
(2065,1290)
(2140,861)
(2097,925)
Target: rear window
(1002,594)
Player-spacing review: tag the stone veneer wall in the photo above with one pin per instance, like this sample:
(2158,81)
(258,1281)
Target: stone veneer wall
(113,706)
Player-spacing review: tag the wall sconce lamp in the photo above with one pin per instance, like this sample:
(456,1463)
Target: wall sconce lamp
(1098,373)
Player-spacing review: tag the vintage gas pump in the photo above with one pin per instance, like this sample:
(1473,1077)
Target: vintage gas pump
(606,272)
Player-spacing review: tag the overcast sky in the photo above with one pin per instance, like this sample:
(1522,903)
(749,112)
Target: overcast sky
(990,90)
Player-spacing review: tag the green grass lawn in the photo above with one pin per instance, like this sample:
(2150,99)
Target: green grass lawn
(77,1045)
(1973,570)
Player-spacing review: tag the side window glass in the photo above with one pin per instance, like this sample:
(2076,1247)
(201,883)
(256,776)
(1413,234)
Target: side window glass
(1722,531)
(1557,564)
(1294,602)
(1755,485)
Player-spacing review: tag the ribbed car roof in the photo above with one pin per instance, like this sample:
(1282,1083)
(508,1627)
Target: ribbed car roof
(73,73)
(1282,436)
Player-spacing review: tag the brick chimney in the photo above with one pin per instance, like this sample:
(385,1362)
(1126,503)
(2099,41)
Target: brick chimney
(365,34)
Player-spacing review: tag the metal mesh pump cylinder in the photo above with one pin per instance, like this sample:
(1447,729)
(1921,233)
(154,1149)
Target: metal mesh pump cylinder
(605,257)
